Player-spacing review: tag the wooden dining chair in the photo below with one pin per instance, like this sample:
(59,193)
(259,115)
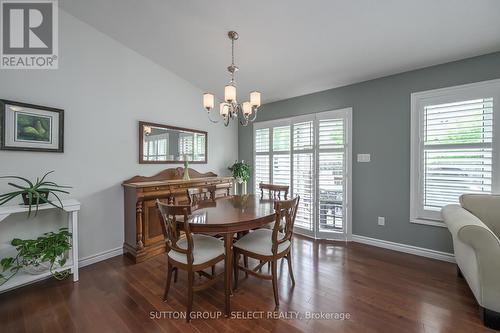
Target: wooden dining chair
(200,194)
(193,253)
(275,192)
(269,246)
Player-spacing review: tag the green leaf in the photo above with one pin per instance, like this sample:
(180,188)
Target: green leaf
(44,176)
(16,242)
(51,190)
(6,263)
(4,200)
(17,177)
(30,200)
(18,186)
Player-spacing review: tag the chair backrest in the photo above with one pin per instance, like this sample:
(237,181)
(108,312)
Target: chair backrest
(168,219)
(275,191)
(223,190)
(198,194)
(485,207)
(285,210)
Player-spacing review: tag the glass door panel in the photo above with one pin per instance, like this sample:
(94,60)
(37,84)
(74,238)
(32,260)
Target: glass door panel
(331,192)
(303,185)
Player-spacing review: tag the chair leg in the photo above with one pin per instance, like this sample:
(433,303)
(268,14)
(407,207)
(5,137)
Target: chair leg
(274,265)
(245,261)
(169,278)
(190,296)
(213,270)
(290,270)
(236,260)
(175,274)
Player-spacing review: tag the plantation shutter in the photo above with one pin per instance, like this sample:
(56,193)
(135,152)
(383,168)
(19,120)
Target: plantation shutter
(281,155)
(303,172)
(331,150)
(261,164)
(457,143)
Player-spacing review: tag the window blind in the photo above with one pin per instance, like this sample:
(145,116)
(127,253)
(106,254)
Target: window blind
(261,171)
(303,171)
(262,140)
(331,133)
(457,151)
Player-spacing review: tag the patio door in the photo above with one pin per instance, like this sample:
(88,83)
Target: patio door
(312,154)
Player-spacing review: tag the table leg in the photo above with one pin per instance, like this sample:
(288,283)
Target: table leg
(228,268)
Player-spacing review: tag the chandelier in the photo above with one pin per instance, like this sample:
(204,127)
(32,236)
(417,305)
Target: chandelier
(245,112)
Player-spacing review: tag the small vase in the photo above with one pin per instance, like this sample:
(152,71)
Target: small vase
(185,175)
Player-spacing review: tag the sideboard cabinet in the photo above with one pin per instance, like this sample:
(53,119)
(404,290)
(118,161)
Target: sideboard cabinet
(143,233)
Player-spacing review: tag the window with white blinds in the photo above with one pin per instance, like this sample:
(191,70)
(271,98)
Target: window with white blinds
(308,153)
(454,150)
(262,152)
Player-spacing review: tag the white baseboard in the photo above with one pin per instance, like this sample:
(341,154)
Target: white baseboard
(82,262)
(418,251)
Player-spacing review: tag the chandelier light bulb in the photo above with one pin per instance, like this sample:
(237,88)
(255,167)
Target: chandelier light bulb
(224,109)
(208,101)
(246,108)
(255,98)
(230,93)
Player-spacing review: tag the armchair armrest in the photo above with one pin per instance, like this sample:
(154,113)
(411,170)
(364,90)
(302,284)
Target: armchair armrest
(470,230)
(487,249)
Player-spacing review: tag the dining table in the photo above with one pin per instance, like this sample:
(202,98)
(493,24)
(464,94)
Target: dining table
(227,216)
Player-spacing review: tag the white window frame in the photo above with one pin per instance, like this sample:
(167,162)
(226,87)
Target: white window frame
(419,101)
(315,117)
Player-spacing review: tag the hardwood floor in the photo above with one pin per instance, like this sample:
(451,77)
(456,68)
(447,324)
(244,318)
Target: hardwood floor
(381,290)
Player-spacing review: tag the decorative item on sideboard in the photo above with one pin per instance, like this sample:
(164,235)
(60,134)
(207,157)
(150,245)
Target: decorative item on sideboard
(28,127)
(241,174)
(185,175)
(34,193)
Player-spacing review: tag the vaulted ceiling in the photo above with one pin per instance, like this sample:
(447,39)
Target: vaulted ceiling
(294,47)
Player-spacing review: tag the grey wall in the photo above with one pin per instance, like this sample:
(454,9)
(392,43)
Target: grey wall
(381,127)
(105,89)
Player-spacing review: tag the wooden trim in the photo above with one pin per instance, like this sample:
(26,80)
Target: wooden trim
(141,143)
(169,174)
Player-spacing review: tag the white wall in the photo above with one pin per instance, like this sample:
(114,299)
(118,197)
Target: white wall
(105,89)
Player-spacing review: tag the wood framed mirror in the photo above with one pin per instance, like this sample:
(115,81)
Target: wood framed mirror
(164,144)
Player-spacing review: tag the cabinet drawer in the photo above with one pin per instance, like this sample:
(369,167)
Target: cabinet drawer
(155,189)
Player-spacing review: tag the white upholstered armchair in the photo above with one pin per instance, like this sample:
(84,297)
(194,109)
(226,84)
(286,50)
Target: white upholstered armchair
(475,228)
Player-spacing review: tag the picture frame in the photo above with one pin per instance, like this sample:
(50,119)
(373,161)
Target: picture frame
(166,144)
(29,127)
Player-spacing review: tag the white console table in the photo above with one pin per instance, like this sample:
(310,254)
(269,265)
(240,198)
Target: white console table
(21,278)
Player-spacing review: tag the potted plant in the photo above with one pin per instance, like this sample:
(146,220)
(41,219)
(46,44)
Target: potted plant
(35,256)
(240,171)
(34,193)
